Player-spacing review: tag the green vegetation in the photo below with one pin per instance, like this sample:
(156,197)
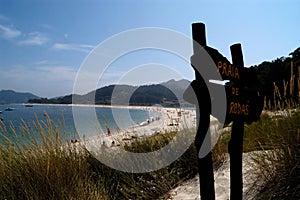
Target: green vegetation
(274,143)
(279,81)
(47,171)
(277,137)
(56,170)
(278,164)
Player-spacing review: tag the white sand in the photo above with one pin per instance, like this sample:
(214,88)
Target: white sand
(169,119)
(189,190)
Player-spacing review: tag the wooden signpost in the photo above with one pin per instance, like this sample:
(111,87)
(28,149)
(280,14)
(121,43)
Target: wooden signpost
(244,104)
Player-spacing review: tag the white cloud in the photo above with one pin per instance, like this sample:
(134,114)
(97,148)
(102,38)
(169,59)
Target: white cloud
(73,47)
(57,73)
(44,81)
(41,62)
(35,39)
(9,32)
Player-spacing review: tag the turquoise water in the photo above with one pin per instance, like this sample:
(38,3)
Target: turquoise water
(61,116)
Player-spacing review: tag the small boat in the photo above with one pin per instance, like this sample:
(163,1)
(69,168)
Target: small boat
(9,109)
(0,111)
(28,105)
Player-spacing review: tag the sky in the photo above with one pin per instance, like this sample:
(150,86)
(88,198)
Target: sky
(45,43)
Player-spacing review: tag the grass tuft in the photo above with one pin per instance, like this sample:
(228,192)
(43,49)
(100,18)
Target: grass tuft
(278,159)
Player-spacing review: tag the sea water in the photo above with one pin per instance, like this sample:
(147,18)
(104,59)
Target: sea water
(61,117)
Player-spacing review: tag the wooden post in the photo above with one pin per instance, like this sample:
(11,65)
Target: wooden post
(236,155)
(235,147)
(205,165)
(244,104)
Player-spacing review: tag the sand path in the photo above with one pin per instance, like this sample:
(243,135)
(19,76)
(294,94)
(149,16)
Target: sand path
(189,190)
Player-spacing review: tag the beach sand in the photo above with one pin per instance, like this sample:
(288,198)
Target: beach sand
(189,190)
(164,121)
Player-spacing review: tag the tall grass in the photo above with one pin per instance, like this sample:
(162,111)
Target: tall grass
(278,138)
(50,168)
(38,164)
(277,162)
(47,167)
(44,170)
(286,97)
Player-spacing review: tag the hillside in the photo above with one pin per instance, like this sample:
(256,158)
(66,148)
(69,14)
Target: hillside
(169,93)
(10,96)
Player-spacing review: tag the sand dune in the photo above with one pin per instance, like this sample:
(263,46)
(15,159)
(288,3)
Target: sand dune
(189,190)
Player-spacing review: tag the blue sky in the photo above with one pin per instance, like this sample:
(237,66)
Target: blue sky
(43,43)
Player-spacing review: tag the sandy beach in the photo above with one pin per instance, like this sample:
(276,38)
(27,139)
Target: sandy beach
(164,120)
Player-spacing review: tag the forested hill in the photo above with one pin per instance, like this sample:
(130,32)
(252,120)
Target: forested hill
(10,96)
(169,93)
(284,72)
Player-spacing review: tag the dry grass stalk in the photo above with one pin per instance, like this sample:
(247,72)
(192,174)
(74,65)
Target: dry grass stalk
(299,84)
(265,103)
(292,80)
(286,100)
(285,85)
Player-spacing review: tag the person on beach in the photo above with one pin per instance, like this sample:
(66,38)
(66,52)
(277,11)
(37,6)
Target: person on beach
(108,130)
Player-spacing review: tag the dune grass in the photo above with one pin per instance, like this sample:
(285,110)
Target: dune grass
(49,168)
(278,161)
(44,170)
